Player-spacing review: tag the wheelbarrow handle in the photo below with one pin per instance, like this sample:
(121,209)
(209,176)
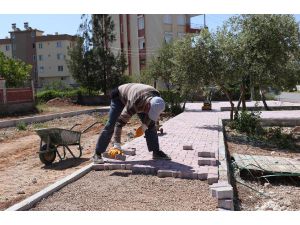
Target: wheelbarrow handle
(77,124)
(89,127)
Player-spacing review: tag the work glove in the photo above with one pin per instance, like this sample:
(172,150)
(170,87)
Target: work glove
(141,130)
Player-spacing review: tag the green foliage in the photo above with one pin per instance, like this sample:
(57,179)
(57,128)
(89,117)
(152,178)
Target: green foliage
(173,102)
(57,86)
(15,72)
(21,126)
(280,139)
(247,122)
(92,63)
(44,96)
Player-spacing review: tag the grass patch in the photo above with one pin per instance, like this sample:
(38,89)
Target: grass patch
(21,126)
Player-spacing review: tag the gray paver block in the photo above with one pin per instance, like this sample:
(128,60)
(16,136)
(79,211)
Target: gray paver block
(98,167)
(225,204)
(207,161)
(164,173)
(143,169)
(187,175)
(212,178)
(128,166)
(224,193)
(207,154)
(188,147)
(130,151)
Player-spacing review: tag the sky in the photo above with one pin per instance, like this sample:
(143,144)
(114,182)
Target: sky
(69,23)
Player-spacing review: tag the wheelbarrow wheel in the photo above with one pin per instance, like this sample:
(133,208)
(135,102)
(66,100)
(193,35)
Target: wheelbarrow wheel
(48,157)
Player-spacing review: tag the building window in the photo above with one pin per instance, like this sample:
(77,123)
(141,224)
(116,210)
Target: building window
(33,45)
(181,34)
(62,78)
(60,68)
(7,47)
(40,45)
(40,57)
(41,69)
(141,23)
(141,43)
(13,36)
(180,20)
(59,56)
(168,37)
(34,57)
(58,44)
(14,46)
(33,34)
(168,19)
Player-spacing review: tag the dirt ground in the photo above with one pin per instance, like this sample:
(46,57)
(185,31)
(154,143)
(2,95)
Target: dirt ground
(277,194)
(23,174)
(120,190)
(56,105)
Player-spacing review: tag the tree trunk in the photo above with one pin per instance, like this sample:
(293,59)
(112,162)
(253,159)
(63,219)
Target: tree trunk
(243,96)
(230,100)
(239,104)
(263,98)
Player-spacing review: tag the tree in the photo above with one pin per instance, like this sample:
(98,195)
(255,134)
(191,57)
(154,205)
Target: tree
(92,63)
(15,72)
(160,67)
(190,69)
(268,44)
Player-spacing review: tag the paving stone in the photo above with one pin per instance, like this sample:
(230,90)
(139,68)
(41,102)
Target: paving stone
(128,166)
(212,178)
(187,175)
(164,173)
(130,151)
(188,147)
(225,204)
(223,192)
(98,167)
(207,161)
(207,154)
(143,169)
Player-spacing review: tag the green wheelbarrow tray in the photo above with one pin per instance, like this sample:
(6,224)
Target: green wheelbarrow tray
(53,138)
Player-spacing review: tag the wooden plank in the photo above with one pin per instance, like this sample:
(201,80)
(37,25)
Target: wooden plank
(267,163)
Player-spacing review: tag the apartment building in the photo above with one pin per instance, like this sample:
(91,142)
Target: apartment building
(140,36)
(46,53)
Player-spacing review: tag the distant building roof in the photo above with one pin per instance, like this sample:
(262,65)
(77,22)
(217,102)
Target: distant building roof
(55,37)
(5,41)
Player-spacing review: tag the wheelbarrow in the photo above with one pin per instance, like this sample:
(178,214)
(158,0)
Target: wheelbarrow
(53,138)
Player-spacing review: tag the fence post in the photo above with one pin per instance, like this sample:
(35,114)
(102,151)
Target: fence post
(33,91)
(4,92)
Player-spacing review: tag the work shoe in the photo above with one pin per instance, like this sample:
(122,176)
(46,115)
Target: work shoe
(160,155)
(98,159)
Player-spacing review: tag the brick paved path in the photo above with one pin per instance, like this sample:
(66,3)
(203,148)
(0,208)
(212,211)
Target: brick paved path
(191,128)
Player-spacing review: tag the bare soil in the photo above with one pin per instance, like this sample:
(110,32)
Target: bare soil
(22,173)
(56,105)
(120,190)
(281,193)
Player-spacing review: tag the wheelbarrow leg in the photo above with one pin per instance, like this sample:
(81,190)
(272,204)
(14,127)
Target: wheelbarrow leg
(60,158)
(71,152)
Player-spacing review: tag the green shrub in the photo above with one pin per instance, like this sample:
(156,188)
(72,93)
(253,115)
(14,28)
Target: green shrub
(21,126)
(173,102)
(44,96)
(247,122)
(57,86)
(280,139)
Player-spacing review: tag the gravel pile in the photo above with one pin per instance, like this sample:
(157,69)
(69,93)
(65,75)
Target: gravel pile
(120,190)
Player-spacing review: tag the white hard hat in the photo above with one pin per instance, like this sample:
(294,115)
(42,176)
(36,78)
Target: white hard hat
(157,106)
